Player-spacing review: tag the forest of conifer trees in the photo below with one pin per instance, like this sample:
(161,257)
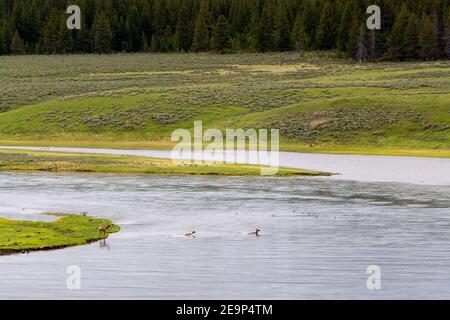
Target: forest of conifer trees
(411,29)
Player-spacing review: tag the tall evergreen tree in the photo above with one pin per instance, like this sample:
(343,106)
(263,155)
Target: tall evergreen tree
(282,33)
(265,29)
(411,40)
(64,43)
(159,26)
(84,39)
(353,37)
(201,33)
(447,36)
(17,45)
(5,38)
(168,40)
(428,39)
(326,31)
(396,45)
(344,26)
(102,34)
(182,37)
(221,35)
(299,38)
(50,39)
(145,46)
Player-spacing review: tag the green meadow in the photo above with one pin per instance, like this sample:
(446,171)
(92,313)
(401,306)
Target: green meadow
(318,101)
(28,161)
(66,231)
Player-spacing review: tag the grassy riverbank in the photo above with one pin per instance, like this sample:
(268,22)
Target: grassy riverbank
(19,160)
(320,103)
(288,146)
(65,231)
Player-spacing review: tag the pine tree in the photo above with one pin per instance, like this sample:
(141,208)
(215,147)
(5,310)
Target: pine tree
(168,40)
(411,40)
(251,40)
(124,47)
(155,44)
(17,45)
(311,17)
(428,39)
(159,22)
(447,36)
(84,39)
(159,25)
(299,38)
(265,30)
(282,32)
(182,37)
(221,35)
(344,26)
(395,43)
(102,34)
(5,38)
(353,37)
(51,32)
(326,32)
(201,33)
(63,39)
(145,47)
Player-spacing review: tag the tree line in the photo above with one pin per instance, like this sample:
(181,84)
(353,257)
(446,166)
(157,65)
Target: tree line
(410,29)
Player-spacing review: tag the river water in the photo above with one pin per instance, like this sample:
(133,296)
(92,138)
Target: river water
(319,235)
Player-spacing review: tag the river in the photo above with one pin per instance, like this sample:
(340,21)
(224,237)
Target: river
(319,235)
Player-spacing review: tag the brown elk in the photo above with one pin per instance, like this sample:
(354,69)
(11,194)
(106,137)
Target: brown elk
(104,230)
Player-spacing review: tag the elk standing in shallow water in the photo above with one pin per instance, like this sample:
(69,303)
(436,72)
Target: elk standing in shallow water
(104,230)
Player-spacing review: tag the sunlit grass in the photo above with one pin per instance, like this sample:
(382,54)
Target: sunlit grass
(19,160)
(65,231)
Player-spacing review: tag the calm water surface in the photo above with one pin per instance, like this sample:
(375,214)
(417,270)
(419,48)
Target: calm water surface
(319,236)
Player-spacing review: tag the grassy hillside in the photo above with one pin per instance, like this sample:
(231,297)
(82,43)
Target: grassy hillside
(319,102)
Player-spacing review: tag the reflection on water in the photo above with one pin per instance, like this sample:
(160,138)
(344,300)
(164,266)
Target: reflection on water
(318,237)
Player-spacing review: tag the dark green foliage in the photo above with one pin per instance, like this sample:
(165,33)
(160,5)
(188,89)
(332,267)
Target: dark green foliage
(182,39)
(265,29)
(411,41)
(396,44)
(17,46)
(428,39)
(102,34)
(299,38)
(418,29)
(201,33)
(221,37)
(326,31)
(447,36)
(282,29)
